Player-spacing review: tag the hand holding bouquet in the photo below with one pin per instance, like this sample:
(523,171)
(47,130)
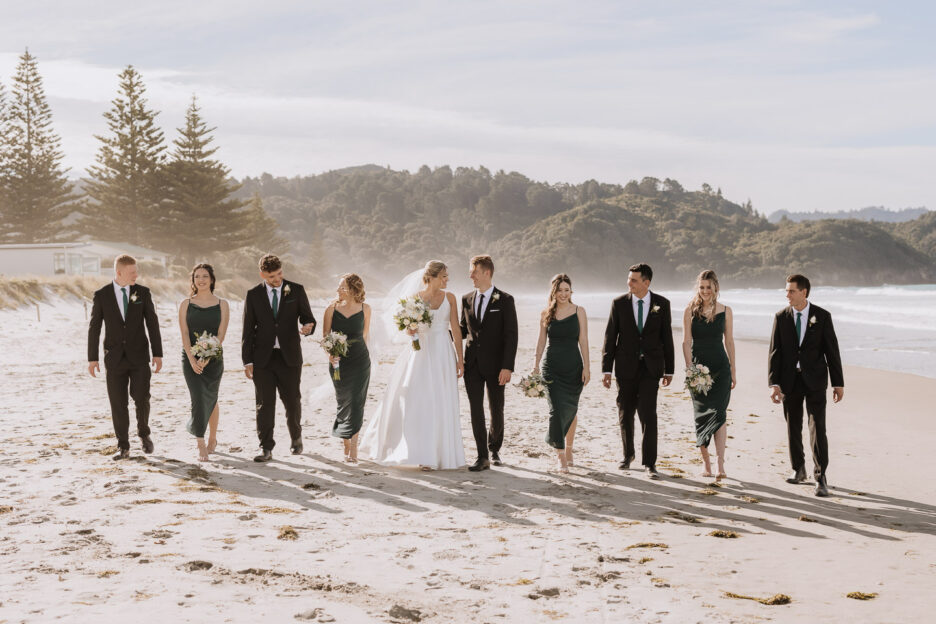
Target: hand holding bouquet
(533,386)
(206,348)
(336,346)
(412,314)
(698,379)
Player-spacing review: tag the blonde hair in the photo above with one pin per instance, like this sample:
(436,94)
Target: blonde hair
(484,261)
(123,260)
(355,287)
(433,269)
(549,314)
(696,304)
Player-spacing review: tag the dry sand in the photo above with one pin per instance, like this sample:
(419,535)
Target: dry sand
(166,538)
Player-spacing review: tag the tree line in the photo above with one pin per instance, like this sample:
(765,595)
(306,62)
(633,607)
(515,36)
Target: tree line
(381,222)
(176,198)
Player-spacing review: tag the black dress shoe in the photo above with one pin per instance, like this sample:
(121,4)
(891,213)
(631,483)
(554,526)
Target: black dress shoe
(481,464)
(296,447)
(625,465)
(122,454)
(495,459)
(652,472)
(797,477)
(264,457)
(147,444)
(822,489)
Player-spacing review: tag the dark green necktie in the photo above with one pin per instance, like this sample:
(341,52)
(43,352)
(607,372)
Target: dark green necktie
(640,316)
(124,291)
(275,303)
(799,325)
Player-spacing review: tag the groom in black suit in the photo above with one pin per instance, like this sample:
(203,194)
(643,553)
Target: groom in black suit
(124,308)
(271,352)
(489,324)
(804,354)
(638,346)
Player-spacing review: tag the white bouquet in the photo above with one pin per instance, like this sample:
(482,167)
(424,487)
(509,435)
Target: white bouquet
(206,348)
(412,313)
(698,379)
(335,345)
(533,386)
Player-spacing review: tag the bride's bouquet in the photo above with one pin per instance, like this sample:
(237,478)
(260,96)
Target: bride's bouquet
(533,386)
(206,348)
(698,379)
(413,313)
(335,345)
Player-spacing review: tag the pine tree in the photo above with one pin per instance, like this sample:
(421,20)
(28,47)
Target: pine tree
(206,219)
(262,232)
(127,183)
(4,159)
(37,195)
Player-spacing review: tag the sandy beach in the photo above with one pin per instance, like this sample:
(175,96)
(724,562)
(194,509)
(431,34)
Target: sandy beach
(166,538)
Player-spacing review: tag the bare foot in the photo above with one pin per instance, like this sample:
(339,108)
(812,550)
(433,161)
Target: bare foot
(202,450)
(708,473)
(425,468)
(569,457)
(721,475)
(212,444)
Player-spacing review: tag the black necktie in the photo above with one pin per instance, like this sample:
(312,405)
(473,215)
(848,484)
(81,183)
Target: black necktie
(480,305)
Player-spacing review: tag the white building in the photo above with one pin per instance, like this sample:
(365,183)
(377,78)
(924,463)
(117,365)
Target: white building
(79,258)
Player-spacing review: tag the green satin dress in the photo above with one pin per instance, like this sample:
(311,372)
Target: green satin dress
(708,348)
(203,388)
(562,368)
(351,389)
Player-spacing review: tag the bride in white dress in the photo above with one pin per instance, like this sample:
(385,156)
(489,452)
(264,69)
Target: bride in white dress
(417,423)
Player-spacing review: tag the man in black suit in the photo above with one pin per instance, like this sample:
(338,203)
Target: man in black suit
(638,346)
(489,324)
(271,351)
(804,354)
(124,308)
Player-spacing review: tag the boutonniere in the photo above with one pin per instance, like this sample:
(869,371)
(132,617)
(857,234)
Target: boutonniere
(655,308)
(285,290)
(133,297)
(812,321)
(495,297)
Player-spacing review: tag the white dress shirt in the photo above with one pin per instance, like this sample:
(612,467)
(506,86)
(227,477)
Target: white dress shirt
(646,308)
(119,294)
(481,309)
(279,303)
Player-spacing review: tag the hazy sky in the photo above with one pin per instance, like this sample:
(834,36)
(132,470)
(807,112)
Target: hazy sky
(796,105)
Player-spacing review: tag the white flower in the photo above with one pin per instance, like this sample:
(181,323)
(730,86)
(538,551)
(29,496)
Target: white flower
(495,297)
(133,298)
(704,369)
(285,290)
(812,320)
(655,308)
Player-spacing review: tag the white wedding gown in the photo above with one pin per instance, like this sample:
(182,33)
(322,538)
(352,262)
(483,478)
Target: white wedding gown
(417,422)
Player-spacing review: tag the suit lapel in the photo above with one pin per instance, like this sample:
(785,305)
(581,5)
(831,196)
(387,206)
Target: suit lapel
(117,304)
(629,312)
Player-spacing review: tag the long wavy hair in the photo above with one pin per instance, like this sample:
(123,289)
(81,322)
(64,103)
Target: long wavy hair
(211,274)
(549,314)
(355,288)
(697,304)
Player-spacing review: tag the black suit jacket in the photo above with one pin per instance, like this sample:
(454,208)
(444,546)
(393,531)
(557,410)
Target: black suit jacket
(623,344)
(261,329)
(492,343)
(124,338)
(818,355)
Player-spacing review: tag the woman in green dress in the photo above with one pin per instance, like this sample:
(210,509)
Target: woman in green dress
(349,315)
(564,336)
(708,339)
(199,313)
